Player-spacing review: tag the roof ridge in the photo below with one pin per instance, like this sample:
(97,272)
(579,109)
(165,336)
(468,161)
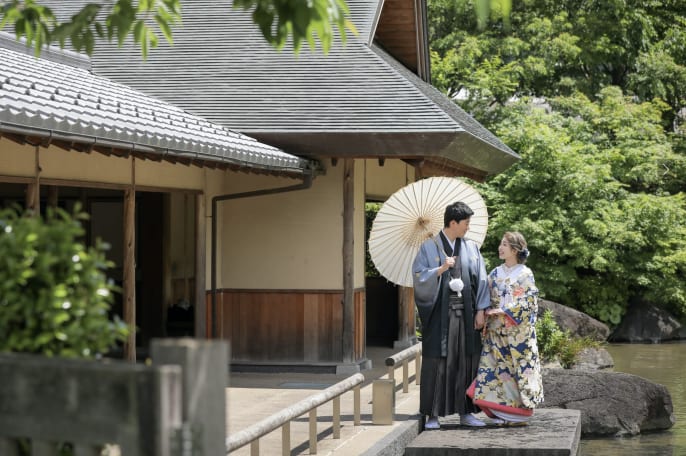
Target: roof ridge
(52,53)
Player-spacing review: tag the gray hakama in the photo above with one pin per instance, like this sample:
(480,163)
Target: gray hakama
(447,378)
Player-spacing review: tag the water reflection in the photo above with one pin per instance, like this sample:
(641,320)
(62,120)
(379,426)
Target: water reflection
(660,363)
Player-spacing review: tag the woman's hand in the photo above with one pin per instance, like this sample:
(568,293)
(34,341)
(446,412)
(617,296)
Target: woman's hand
(479,320)
(494,311)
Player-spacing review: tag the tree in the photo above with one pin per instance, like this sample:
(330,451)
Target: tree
(589,94)
(602,228)
(557,48)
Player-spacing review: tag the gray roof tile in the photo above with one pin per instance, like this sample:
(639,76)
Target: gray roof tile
(40,95)
(221,68)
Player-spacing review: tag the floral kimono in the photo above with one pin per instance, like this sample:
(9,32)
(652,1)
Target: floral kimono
(509,376)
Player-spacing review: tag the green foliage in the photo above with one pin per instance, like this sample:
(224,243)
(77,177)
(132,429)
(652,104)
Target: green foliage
(278,21)
(370,210)
(555,48)
(54,295)
(589,95)
(549,337)
(123,18)
(553,343)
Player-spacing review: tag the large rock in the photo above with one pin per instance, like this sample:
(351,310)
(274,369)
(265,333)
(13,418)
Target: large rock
(645,322)
(577,323)
(593,358)
(611,403)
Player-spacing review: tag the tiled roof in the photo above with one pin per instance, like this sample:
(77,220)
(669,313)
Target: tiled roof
(351,99)
(44,98)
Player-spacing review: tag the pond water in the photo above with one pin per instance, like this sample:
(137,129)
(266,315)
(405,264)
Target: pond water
(660,363)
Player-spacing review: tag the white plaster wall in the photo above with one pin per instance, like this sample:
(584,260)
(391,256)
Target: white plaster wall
(284,241)
(383,181)
(19,161)
(16,160)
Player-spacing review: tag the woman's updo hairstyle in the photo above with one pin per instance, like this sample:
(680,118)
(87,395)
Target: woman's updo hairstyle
(518,243)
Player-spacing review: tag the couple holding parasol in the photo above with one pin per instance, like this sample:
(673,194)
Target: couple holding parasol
(427,236)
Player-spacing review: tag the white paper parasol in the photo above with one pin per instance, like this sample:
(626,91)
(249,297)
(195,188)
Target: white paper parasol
(413,214)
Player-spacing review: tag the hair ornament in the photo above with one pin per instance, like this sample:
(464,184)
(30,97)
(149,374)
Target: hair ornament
(523,254)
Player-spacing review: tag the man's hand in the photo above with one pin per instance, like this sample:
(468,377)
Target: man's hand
(447,264)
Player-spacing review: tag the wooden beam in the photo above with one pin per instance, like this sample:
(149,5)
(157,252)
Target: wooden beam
(348,260)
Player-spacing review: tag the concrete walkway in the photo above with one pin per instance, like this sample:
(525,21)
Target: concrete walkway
(252,397)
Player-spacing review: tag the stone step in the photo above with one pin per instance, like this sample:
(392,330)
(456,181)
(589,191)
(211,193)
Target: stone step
(551,432)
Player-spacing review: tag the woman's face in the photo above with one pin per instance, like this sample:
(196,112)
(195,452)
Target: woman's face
(507,253)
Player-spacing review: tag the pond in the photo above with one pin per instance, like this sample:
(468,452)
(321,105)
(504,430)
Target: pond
(661,363)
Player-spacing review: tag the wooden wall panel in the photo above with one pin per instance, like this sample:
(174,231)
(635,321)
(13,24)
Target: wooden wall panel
(286,326)
(397,31)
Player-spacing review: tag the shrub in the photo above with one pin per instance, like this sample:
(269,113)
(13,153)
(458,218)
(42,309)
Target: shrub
(553,343)
(54,294)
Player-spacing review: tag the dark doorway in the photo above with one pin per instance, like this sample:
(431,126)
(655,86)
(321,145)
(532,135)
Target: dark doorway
(382,311)
(381,295)
(157,243)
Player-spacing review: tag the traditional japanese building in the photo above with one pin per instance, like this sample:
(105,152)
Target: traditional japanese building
(284,263)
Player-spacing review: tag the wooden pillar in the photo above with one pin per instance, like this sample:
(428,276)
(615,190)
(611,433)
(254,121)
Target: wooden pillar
(406,320)
(200,260)
(348,258)
(33,189)
(167,287)
(129,286)
(53,196)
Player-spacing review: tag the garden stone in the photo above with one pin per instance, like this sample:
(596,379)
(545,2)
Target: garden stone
(611,403)
(645,322)
(593,359)
(577,323)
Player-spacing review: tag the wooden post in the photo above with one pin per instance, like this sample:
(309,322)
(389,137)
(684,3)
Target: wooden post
(167,286)
(348,258)
(200,260)
(313,431)
(53,196)
(129,286)
(406,324)
(33,189)
(205,367)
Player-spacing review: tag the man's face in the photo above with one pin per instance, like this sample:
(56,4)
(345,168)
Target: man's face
(459,229)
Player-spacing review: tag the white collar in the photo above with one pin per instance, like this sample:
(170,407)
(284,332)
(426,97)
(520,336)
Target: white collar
(510,270)
(452,243)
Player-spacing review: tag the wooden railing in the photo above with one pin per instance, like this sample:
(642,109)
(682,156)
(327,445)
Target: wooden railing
(404,358)
(282,419)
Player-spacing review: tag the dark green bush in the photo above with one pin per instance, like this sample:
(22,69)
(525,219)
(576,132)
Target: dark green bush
(553,343)
(54,294)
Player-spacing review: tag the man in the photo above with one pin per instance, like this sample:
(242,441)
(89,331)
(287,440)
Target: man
(451,317)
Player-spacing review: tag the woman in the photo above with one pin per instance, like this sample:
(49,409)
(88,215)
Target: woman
(508,384)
